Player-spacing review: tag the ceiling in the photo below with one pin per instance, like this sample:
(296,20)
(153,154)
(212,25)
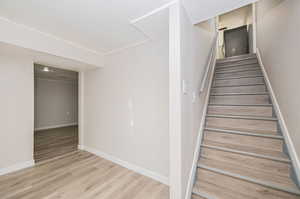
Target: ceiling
(99,25)
(205,9)
(41,58)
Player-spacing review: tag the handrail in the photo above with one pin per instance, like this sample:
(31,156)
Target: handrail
(211,57)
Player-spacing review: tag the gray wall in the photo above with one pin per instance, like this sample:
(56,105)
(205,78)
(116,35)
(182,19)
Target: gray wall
(56,103)
(278,28)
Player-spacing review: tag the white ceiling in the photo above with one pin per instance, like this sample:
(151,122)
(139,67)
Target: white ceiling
(99,25)
(41,58)
(201,10)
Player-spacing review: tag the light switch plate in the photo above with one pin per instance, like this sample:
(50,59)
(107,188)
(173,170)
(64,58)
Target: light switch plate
(185,89)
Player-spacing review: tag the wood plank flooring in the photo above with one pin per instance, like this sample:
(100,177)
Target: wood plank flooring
(55,142)
(79,175)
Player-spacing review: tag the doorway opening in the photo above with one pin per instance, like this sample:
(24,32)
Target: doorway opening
(236,32)
(55,112)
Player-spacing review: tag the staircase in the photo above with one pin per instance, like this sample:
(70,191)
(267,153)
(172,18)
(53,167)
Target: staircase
(243,154)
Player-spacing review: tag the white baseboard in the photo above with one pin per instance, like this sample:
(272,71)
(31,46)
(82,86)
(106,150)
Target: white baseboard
(135,168)
(55,126)
(193,170)
(283,126)
(16,167)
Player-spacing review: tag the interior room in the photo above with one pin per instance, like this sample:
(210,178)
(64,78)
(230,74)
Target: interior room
(55,112)
(160,99)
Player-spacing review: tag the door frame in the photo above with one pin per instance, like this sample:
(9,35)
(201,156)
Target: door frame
(80,106)
(254,27)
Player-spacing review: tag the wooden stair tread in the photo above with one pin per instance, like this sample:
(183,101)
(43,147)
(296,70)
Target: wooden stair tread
(245,110)
(220,186)
(238,70)
(281,181)
(226,62)
(240,89)
(245,133)
(246,117)
(245,140)
(242,66)
(247,125)
(242,99)
(270,167)
(239,74)
(242,82)
(249,149)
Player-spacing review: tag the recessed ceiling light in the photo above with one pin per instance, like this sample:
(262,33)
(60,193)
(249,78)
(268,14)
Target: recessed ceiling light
(46,69)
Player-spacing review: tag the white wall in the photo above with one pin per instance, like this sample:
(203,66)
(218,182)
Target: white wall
(196,44)
(56,103)
(16,115)
(278,27)
(126,107)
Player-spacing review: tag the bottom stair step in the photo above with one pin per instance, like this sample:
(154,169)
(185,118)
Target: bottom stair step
(280,171)
(268,178)
(220,186)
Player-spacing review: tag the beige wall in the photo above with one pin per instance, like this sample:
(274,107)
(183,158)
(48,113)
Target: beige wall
(196,43)
(278,27)
(126,107)
(239,17)
(16,115)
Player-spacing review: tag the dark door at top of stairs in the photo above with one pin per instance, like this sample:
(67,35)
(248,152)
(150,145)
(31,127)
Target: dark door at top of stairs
(236,41)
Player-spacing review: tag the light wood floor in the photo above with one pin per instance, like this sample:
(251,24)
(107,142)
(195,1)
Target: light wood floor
(51,143)
(79,175)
